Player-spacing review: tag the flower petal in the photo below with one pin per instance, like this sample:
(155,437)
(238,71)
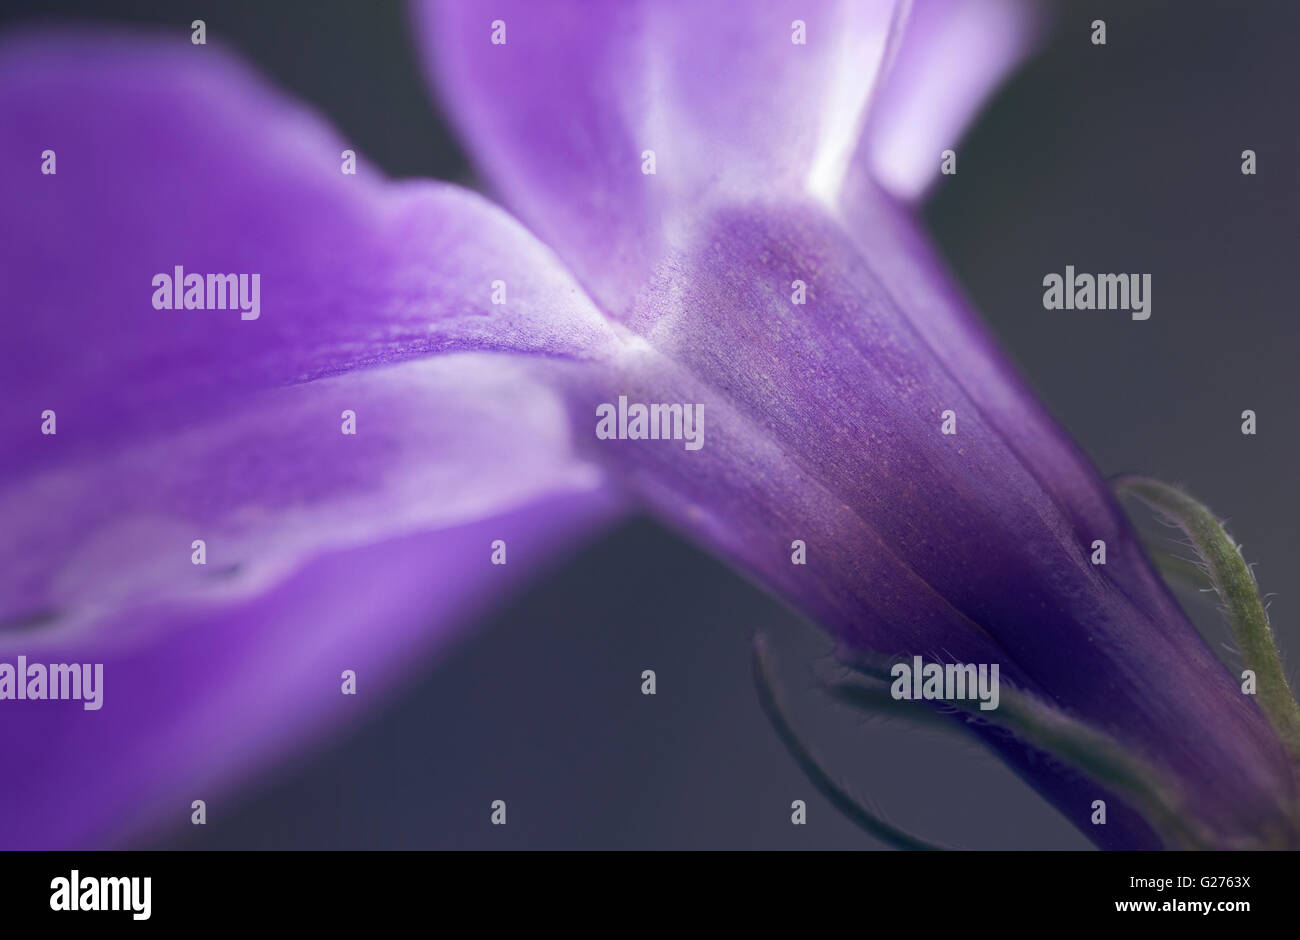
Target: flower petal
(559,116)
(183,424)
(194,708)
(438,442)
(953,54)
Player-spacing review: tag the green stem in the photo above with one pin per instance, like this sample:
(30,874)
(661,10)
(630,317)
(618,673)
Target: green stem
(876,701)
(840,798)
(1235,584)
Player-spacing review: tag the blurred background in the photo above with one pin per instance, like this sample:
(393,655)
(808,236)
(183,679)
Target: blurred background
(1123,157)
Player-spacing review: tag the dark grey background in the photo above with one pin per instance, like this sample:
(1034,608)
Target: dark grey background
(1115,158)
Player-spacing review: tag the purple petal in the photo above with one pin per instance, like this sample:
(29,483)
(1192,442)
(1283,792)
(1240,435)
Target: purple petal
(558,117)
(953,54)
(823,421)
(176,425)
(194,708)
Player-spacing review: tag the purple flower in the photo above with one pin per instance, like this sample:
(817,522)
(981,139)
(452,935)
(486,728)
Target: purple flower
(474,350)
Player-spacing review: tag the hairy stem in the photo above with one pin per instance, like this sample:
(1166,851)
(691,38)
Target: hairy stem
(1235,584)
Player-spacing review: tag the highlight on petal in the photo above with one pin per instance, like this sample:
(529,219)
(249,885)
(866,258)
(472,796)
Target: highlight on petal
(438,442)
(953,55)
(175,425)
(600,125)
